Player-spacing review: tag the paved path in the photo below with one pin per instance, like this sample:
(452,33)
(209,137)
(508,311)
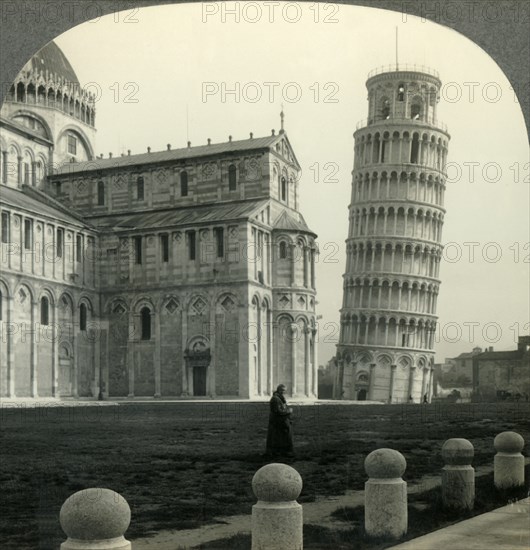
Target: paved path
(506,528)
(316,513)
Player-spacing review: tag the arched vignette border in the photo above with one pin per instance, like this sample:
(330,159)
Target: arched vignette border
(503,38)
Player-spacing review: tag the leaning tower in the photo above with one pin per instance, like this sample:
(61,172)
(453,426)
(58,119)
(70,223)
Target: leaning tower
(388,316)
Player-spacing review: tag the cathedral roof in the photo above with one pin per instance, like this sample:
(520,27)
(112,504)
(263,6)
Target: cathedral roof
(52,59)
(288,222)
(172,154)
(184,215)
(34,201)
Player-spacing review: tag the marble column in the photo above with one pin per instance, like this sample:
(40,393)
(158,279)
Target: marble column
(34,332)
(184,324)
(315,362)
(412,374)
(294,339)
(158,389)
(307,362)
(371,388)
(11,346)
(392,382)
(130,352)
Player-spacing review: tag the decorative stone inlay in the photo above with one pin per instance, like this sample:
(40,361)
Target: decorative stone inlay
(177,236)
(301,301)
(199,305)
(172,306)
(284,301)
(204,234)
(209,170)
(119,309)
(161,175)
(233,231)
(228,303)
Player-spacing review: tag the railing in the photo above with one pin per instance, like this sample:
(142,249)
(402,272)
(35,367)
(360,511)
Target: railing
(403,67)
(432,121)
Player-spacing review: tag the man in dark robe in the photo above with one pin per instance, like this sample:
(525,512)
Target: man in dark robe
(280,434)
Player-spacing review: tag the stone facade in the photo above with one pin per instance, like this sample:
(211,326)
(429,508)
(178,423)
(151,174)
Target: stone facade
(184,272)
(503,374)
(391,284)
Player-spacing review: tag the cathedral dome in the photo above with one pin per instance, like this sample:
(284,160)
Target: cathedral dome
(52,59)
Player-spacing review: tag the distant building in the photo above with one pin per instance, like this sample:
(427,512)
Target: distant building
(503,373)
(325,380)
(456,371)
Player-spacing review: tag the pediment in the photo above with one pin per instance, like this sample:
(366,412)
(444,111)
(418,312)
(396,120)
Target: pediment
(282,147)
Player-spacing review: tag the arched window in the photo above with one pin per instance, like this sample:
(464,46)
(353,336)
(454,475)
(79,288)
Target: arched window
(283,250)
(415,148)
(415,109)
(385,109)
(82,317)
(284,189)
(184,184)
(232,178)
(401,92)
(145,316)
(101,193)
(44,310)
(140,188)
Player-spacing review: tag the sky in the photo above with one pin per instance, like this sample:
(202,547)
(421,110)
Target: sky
(163,75)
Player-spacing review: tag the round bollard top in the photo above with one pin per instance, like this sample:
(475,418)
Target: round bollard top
(277,483)
(508,442)
(95,514)
(385,464)
(458,452)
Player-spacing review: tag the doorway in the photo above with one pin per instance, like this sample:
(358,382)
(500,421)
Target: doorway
(361,395)
(65,375)
(199,380)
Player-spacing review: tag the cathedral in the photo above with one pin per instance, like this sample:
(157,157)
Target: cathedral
(175,273)
(396,214)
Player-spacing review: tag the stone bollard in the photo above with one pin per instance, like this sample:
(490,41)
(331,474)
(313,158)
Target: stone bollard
(95,519)
(458,476)
(277,520)
(508,462)
(385,494)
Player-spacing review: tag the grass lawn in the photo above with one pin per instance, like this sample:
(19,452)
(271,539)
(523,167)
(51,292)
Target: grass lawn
(179,465)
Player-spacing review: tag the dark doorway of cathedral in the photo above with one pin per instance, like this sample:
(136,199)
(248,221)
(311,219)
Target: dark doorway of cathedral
(65,377)
(199,380)
(361,395)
